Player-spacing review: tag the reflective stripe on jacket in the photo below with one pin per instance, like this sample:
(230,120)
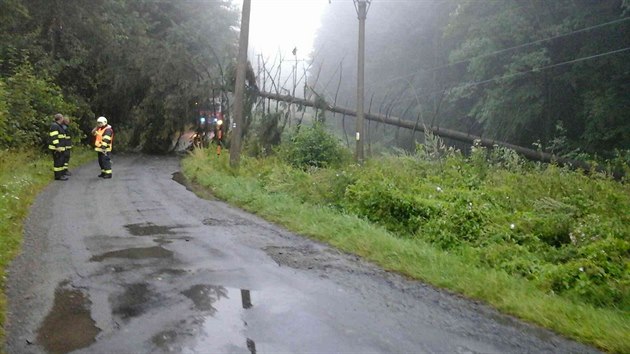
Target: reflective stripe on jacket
(56,137)
(104,138)
(67,141)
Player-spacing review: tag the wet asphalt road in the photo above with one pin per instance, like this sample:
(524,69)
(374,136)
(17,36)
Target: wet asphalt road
(140,264)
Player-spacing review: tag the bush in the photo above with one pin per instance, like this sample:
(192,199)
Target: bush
(511,258)
(313,147)
(461,221)
(382,202)
(599,274)
(266,135)
(27,104)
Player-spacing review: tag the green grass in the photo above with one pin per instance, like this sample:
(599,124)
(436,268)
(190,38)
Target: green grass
(22,176)
(285,196)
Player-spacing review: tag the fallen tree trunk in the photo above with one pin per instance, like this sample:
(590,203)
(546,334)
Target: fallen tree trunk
(442,132)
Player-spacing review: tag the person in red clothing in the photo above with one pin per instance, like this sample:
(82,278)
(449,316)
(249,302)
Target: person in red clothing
(103,139)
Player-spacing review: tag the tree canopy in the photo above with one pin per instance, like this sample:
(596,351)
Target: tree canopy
(142,64)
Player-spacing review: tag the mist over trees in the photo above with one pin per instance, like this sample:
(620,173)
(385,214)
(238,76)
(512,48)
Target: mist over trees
(143,64)
(554,73)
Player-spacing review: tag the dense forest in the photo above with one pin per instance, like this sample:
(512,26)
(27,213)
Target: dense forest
(143,64)
(555,74)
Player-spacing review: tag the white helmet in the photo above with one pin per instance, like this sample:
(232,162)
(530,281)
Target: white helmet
(101,121)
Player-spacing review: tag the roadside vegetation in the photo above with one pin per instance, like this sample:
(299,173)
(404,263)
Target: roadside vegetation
(549,245)
(22,176)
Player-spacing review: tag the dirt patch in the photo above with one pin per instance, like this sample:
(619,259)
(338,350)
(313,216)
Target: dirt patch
(196,188)
(233,221)
(305,257)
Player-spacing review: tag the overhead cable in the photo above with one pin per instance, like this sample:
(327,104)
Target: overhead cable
(509,49)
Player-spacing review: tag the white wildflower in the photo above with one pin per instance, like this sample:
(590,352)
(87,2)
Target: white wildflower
(581,269)
(512,226)
(438,189)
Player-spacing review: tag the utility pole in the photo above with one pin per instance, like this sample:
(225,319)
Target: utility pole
(239,87)
(362,7)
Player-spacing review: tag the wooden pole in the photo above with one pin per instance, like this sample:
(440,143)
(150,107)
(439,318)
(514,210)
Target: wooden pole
(361,7)
(239,89)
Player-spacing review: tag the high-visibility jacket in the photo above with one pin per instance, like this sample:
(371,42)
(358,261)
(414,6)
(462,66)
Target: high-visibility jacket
(67,141)
(104,138)
(56,137)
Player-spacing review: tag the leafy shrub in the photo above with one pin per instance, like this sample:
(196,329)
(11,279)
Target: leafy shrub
(4,110)
(313,147)
(266,135)
(30,103)
(382,202)
(512,258)
(460,222)
(329,186)
(597,274)
(505,158)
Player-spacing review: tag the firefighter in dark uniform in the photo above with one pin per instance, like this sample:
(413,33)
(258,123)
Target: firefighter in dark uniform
(103,139)
(56,140)
(67,146)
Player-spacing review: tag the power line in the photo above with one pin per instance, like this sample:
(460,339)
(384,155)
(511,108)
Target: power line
(477,83)
(510,48)
(549,66)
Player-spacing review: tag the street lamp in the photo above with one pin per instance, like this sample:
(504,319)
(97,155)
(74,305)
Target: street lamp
(362,7)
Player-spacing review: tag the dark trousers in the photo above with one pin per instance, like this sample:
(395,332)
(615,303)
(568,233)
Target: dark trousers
(58,160)
(105,162)
(66,160)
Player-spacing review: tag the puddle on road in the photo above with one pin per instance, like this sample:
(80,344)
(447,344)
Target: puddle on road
(219,325)
(203,296)
(135,253)
(150,229)
(69,325)
(199,190)
(164,339)
(133,302)
(170,271)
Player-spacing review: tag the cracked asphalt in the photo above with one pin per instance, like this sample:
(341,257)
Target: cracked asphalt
(141,264)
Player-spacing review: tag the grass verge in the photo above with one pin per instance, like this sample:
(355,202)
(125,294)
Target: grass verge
(607,329)
(22,176)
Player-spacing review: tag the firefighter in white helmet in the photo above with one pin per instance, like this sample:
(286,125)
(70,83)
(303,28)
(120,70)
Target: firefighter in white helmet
(103,139)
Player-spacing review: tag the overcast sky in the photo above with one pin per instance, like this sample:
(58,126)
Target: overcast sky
(283,25)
